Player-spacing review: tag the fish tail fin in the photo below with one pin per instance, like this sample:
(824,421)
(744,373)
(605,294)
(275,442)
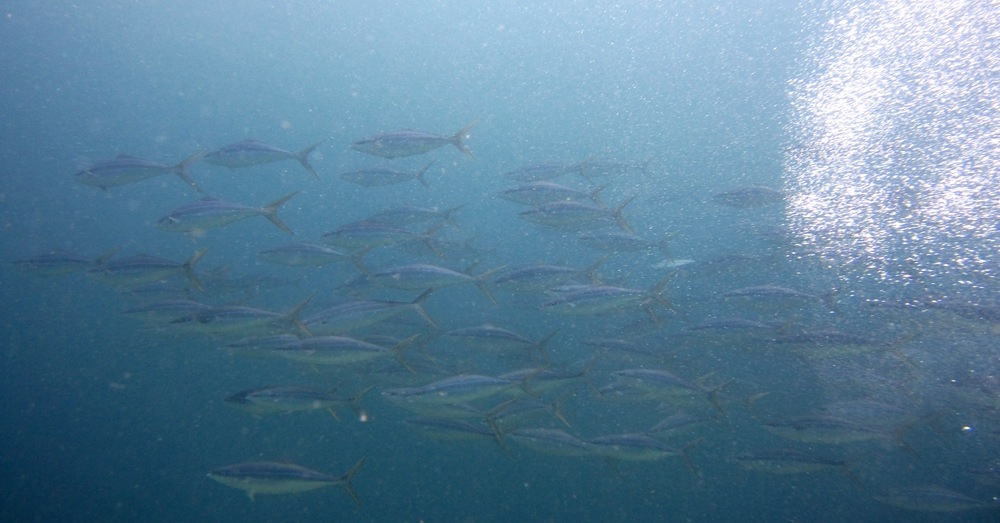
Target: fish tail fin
(557,408)
(526,382)
(491,421)
(189,269)
(656,292)
(181,169)
(293,315)
(447,216)
(345,481)
(428,237)
(846,470)
(420,175)
(897,437)
(270,211)
(303,157)
(713,396)
(418,305)
(595,195)
(541,346)
(617,214)
(457,139)
(591,272)
(102,259)
(752,399)
(687,459)
(481,283)
(397,351)
(353,400)
(358,259)
(663,245)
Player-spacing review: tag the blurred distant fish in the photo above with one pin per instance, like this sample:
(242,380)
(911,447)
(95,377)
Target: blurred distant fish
(309,254)
(142,268)
(382,177)
(623,241)
(209,213)
(423,276)
(61,263)
(358,314)
(551,441)
(931,498)
(281,478)
(537,193)
(750,196)
(240,319)
(258,347)
(403,215)
(537,278)
(274,400)
(541,172)
(165,311)
(368,234)
(576,215)
(407,142)
(126,169)
(252,152)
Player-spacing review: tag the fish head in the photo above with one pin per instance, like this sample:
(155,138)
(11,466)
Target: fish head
(167,223)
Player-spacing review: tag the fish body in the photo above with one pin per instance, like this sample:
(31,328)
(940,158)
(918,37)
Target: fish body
(786,461)
(358,314)
(490,337)
(538,193)
(403,215)
(574,215)
(380,177)
(729,325)
(303,254)
(336,350)
(142,269)
(407,142)
(125,169)
(209,213)
(229,319)
(463,388)
(165,311)
(259,347)
(368,234)
(596,299)
(930,498)
(264,477)
(824,429)
(632,447)
(274,400)
(536,278)
(424,276)
(60,263)
(621,241)
(599,168)
(749,196)
(551,441)
(449,429)
(253,152)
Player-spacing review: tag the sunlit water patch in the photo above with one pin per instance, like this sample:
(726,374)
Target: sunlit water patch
(895,142)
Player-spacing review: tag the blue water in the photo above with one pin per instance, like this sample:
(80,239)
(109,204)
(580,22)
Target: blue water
(875,119)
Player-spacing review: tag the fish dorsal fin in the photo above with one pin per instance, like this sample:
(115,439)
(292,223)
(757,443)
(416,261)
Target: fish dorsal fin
(209,199)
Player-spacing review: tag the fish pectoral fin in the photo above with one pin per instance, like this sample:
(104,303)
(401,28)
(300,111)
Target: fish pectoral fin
(250,493)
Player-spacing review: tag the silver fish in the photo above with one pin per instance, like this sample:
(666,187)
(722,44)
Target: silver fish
(930,498)
(537,193)
(551,441)
(407,142)
(451,391)
(358,314)
(543,172)
(253,152)
(239,319)
(339,350)
(623,241)
(536,278)
(281,478)
(209,213)
(382,177)
(423,276)
(61,263)
(275,400)
(310,254)
(125,169)
(369,234)
(142,269)
(404,215)
(574,215)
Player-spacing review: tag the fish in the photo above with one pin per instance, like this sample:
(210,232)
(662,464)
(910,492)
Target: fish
(588,300)
(574,214)
(623,241)
(666,383)
(544,380)
(229,319)
(551,441)
(209,213)
(142,268)
(424,276)
(252,152)
(541,172)
(358,314)
(310,254)
(125,169)
(463,388)
(369,234)
(491,337)
(340,350)
(265,477)
(783,461)
(677,423)
(822,428)
(407,142)
(61,263)
(382,177)
(258,347)
(637,446)
(165,311)
(449,429)
(403,215)
(538,193)
(775,296)
(749,196)
(275,400)
(536,278)
(931,498)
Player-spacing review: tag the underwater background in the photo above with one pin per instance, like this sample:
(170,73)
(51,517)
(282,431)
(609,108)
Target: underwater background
(873,127)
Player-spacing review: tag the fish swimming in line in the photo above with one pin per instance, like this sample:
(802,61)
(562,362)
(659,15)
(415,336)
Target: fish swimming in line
(407,142)
(253,152)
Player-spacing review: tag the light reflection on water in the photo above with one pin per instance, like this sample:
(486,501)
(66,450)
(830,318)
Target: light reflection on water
(896,133)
